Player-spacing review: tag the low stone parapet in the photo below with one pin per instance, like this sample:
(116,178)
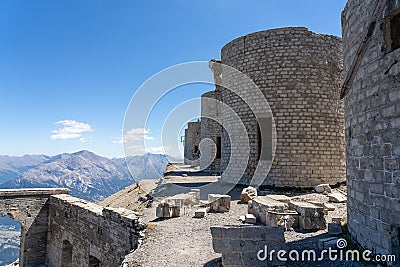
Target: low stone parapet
(247,245)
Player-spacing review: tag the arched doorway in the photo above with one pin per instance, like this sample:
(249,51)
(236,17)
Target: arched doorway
(66,258)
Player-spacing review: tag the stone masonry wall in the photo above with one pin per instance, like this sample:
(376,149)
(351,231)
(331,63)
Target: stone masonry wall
(212,130)
(30,208)
(192,142)
(239,245)
(373,128)
(104,234)
(299,73)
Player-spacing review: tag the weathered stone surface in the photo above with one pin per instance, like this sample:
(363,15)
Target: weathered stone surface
(53,224)
(335,228)
(248,194)
(211,130)
(373,126)
(167,210)
(329,207)
(326,243)
(184,200)
(321,188)
(287,221)
(250,218)
(274,218)
(219,203)
(311,217)
(337,198)
(200,213)
(192,142)
(239,245)
(281,62)
(280,198)
(260,206)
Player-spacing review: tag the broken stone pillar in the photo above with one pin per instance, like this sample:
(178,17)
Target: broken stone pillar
(311,217)
(219,203)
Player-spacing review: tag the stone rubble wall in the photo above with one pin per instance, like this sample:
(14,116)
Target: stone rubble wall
(104,233)
(299,73)
(373,130)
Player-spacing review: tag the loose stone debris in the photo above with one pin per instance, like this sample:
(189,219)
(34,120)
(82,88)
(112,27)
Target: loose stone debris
(337,198)
(323,188)
(219,203)
(250,218)
(248,194)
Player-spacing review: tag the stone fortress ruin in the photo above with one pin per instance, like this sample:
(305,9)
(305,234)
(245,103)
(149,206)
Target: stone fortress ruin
(326,133)
(300,75)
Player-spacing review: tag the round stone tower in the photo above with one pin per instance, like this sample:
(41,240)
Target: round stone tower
(299,73)
(372,104)
(211,132)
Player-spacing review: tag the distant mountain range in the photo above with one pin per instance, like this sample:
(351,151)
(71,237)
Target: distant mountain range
(86,174)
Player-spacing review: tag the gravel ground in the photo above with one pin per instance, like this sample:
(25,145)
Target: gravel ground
(186,241)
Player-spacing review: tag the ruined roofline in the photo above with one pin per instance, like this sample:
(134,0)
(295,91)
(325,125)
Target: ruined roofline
(33,192)
(291,29)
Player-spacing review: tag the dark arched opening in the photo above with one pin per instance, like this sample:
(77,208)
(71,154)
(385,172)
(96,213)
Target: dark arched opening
(66,258)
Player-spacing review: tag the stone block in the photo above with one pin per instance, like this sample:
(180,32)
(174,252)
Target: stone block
(221,245)
(219,203)
(329,207)
(306,209)
(326,243)
(260,206)
(250,218)
(280,198)
(337,198)
(310,223)
(321,188)
(311,217)
(274,218)
(232,259)
(335,228)
(167,210)
(248,194)
(200,213)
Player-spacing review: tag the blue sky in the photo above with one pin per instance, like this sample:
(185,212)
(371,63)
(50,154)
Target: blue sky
(68,69)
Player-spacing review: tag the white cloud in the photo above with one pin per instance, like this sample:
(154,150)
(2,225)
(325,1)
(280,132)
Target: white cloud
(70,129)
(135,134)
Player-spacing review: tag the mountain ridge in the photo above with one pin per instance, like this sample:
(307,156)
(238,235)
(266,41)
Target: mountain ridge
(86,174)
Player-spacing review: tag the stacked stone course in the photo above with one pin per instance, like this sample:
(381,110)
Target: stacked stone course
(373,127)
(299,73)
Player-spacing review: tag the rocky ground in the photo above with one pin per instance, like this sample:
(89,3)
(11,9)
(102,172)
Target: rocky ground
(187,241)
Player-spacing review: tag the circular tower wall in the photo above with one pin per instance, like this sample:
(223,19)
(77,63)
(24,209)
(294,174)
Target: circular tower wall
(299,73)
